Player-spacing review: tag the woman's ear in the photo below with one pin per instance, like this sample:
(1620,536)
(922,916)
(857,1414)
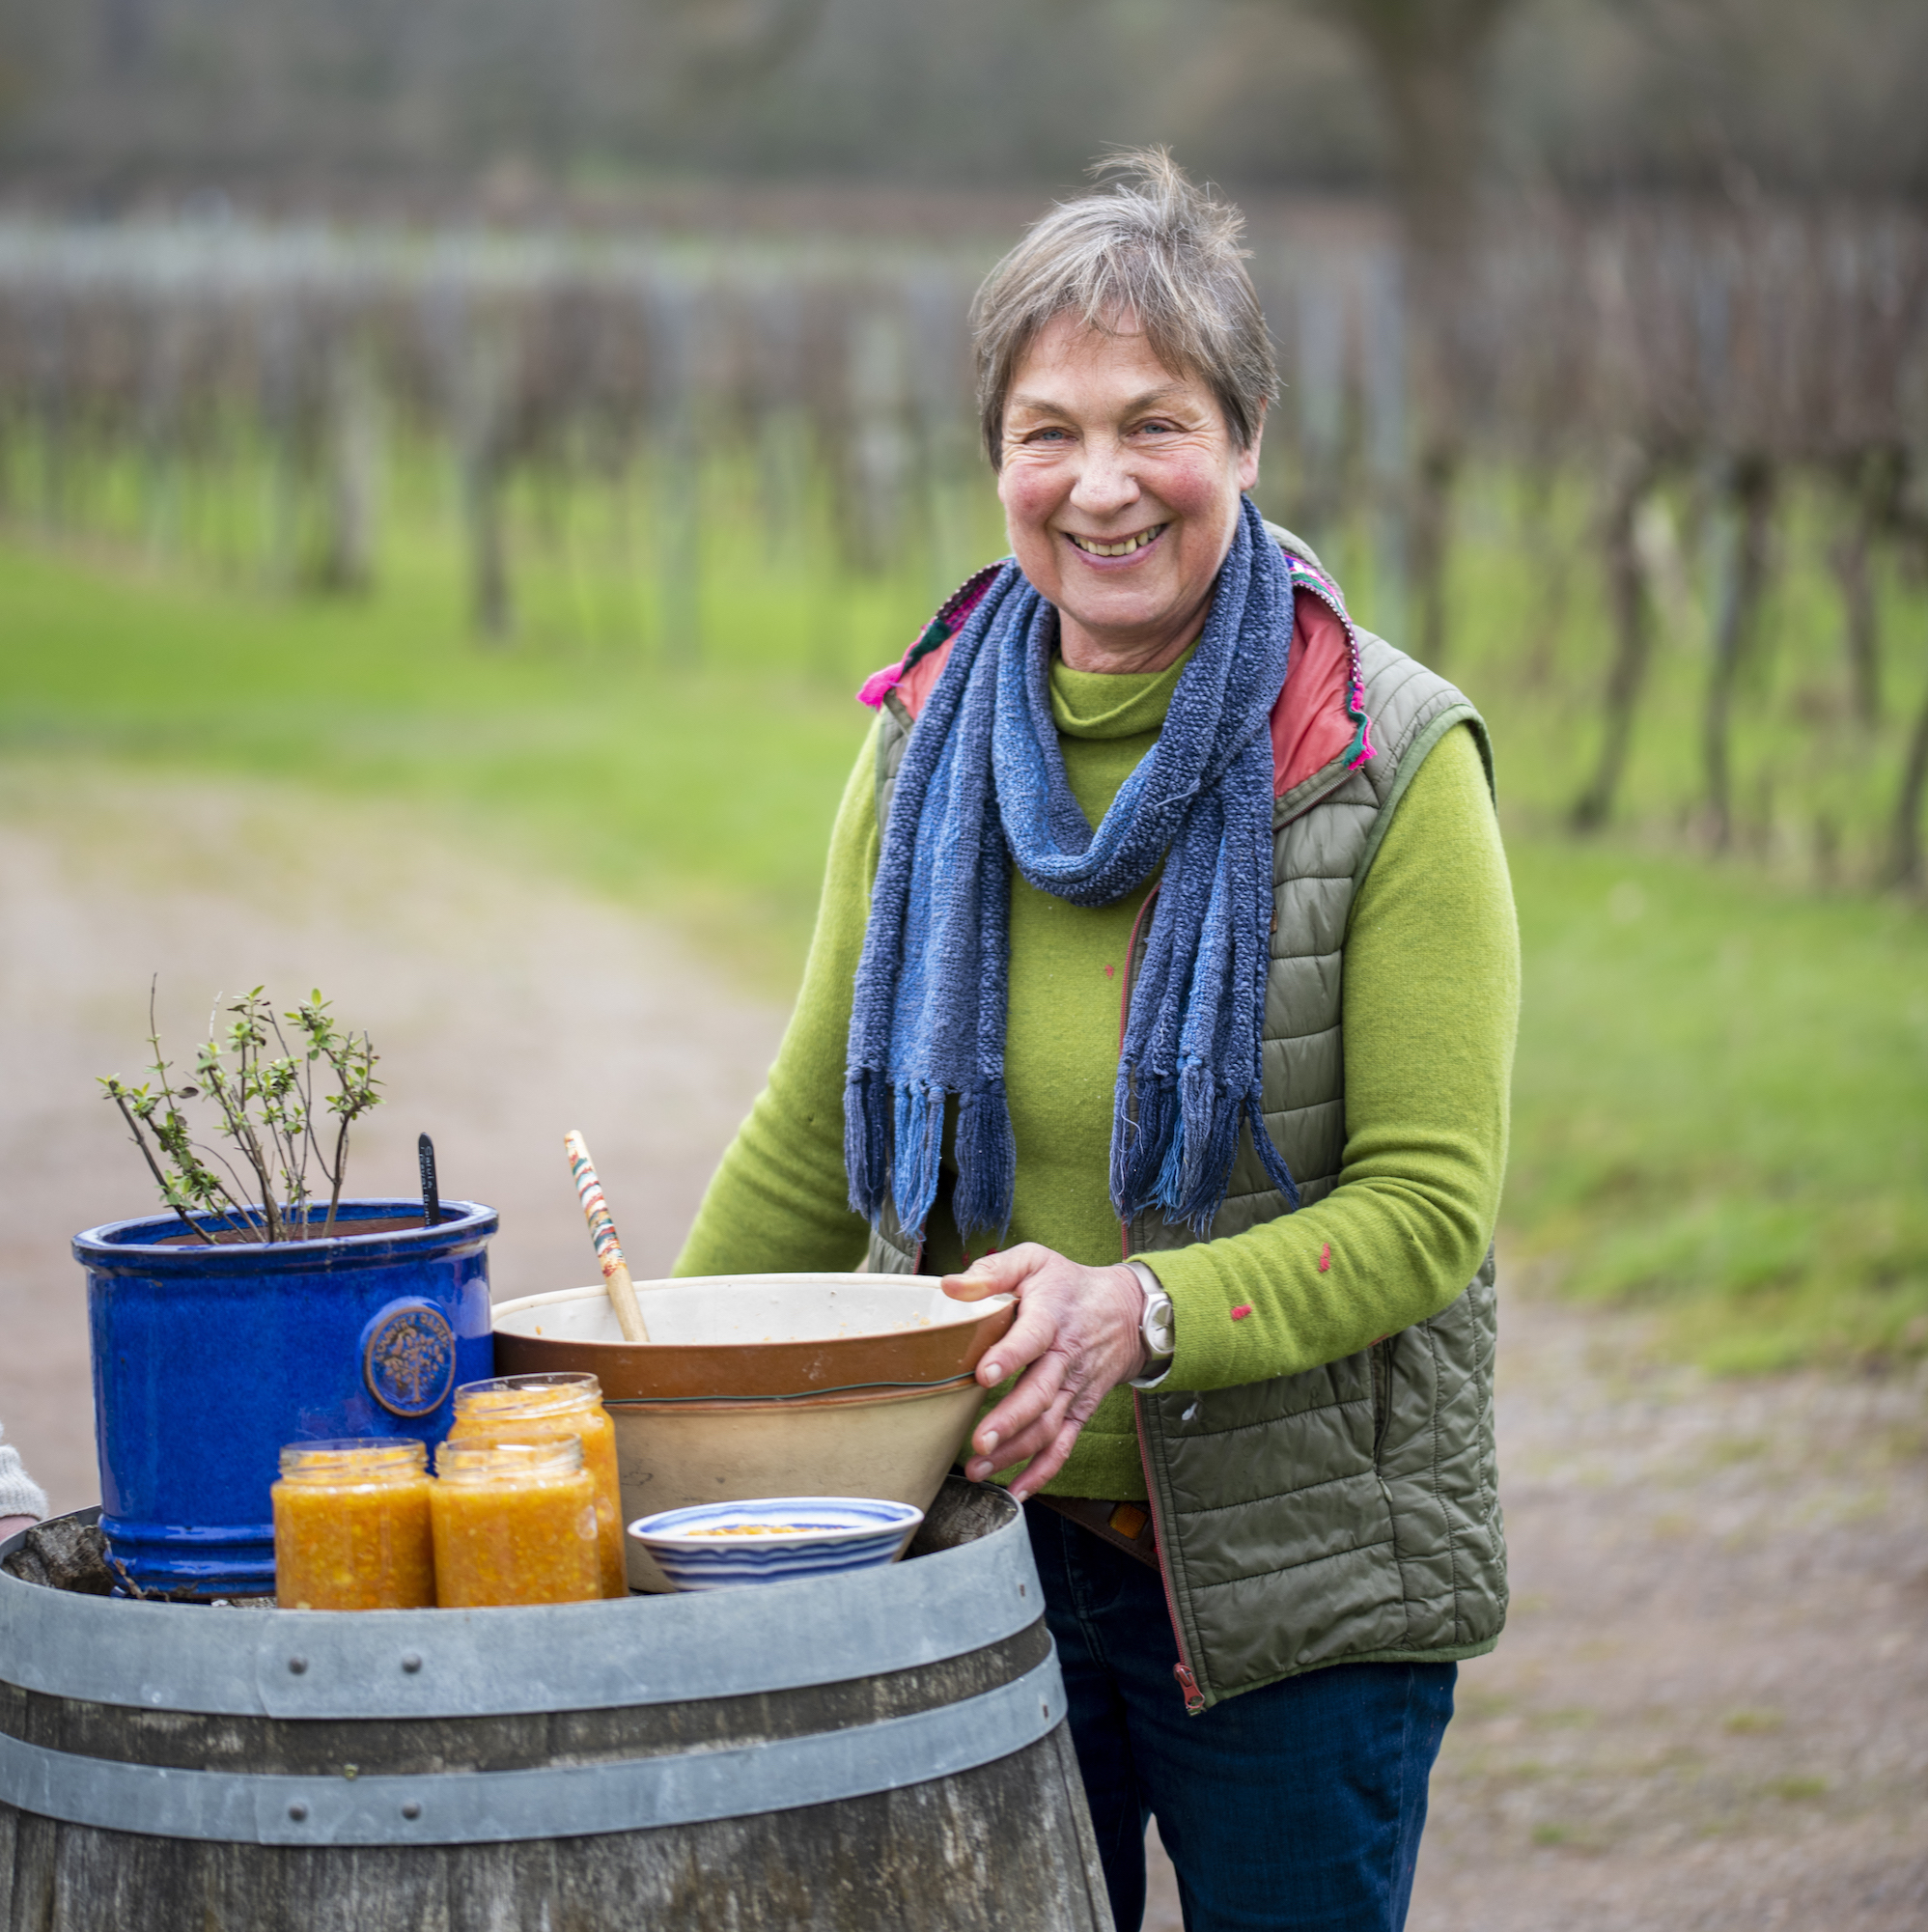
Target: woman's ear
(1249,457)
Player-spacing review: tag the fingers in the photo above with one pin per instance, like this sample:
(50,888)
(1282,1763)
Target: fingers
(1043,1449)
(1002,1273)
(1028,1338)
(1047,1463)
(1011,1450)
(1038,1391)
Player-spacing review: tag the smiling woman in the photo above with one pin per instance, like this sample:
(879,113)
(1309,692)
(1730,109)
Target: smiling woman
(1165,979)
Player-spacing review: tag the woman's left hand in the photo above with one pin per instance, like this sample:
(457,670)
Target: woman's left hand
(1075,1336)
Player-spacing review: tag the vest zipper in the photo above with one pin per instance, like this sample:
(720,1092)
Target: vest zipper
(1187,1683)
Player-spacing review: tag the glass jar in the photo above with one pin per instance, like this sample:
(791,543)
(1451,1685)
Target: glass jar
(514,1522)
(351,1527)
(543,1407)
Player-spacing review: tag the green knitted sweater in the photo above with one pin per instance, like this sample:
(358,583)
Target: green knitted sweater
(1431,999)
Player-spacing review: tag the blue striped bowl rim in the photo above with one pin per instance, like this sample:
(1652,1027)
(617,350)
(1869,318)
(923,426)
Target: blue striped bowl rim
(869,1533)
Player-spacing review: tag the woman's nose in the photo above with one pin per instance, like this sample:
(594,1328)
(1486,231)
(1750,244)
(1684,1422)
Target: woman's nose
(1106,484)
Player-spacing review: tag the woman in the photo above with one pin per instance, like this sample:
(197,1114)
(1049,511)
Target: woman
(1166,977)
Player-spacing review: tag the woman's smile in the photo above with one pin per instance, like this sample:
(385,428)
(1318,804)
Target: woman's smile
(1109,552)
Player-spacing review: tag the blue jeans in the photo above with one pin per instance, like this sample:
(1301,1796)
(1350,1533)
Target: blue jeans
(1297,1806)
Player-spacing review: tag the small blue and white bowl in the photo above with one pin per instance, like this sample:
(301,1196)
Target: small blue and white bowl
(774,1539)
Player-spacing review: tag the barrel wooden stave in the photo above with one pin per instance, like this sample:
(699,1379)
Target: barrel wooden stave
(1006,1846)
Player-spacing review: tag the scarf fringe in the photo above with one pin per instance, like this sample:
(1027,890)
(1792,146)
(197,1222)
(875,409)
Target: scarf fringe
(879,1118)
(1177,1154)
(986,1151)
(1142,1124)
(867,1141)
(1269,1158)
(920,1147)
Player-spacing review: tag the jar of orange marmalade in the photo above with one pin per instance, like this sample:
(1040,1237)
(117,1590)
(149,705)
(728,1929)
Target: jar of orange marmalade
(514,1522)
(546,1408)
(351,1527)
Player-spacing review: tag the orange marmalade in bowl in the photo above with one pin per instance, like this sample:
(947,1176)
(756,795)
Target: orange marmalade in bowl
(352,1526)
(549,1408)
(514,1522)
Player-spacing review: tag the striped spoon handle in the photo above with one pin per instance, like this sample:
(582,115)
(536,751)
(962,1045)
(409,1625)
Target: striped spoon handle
(616,1281)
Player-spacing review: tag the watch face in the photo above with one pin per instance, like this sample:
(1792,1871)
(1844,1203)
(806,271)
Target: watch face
(1156,1326)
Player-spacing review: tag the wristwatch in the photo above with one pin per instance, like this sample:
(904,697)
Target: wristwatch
(1155,1324)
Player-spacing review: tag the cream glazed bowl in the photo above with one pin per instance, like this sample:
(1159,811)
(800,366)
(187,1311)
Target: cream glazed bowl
(757,1385)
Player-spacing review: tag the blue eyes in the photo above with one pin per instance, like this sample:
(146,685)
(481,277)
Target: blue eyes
(1138,429)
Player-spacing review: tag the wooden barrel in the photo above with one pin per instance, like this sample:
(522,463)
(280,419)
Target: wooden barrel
(880,1750)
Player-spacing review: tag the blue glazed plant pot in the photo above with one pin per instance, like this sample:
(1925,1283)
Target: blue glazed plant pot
(207,1359)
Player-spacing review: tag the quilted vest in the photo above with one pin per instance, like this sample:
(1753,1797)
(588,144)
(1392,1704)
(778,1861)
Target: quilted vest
(1349,1513)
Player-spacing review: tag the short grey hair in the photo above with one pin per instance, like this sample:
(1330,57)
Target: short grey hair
(1154,245)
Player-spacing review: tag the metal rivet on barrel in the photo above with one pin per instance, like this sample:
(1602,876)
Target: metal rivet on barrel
(297,1813)
(412,1662)
(411,1810)
(297,1665)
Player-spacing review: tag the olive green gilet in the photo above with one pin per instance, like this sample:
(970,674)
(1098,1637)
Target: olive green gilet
(1349,1513)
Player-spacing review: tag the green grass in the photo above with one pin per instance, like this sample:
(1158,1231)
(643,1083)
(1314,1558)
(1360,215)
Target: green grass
(1723,1091)
(1721,1102)
(706,792)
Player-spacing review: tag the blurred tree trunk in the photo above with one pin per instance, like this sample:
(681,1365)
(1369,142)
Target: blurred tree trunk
(1907,868)
(1427,60)
(1633,638)
(482,452)
(1871,483)
(1743,581)
(352,437)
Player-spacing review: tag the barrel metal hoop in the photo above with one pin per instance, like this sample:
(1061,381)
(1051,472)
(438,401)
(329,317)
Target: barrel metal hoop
(561,1801)
(502,1662)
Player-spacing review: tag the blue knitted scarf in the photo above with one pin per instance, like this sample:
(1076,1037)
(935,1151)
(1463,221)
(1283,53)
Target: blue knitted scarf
(982,787)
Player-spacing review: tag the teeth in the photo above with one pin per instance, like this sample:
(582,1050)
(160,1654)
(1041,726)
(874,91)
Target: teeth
(1118,550)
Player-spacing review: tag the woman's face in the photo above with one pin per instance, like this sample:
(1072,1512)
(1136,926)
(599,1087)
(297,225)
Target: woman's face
(1120,485)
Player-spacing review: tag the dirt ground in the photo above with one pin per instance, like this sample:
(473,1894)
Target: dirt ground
(1711,1707)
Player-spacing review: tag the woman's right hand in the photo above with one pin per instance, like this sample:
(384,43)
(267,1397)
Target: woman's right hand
(1075,1336)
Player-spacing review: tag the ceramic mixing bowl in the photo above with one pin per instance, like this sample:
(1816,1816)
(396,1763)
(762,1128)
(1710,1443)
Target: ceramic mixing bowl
(768,1384)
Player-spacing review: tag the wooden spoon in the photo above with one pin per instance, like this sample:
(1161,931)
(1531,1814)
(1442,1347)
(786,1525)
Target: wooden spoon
(622,1291)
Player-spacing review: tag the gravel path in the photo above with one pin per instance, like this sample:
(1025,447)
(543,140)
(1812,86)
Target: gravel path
(1711,1708)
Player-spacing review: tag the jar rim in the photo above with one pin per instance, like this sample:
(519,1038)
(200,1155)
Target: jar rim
(514,1462)
(376,1458)
(529,1394)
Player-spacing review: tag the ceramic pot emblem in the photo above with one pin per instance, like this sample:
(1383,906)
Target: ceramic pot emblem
(410,1358)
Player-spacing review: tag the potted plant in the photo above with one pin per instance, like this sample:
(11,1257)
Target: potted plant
(254,1313)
